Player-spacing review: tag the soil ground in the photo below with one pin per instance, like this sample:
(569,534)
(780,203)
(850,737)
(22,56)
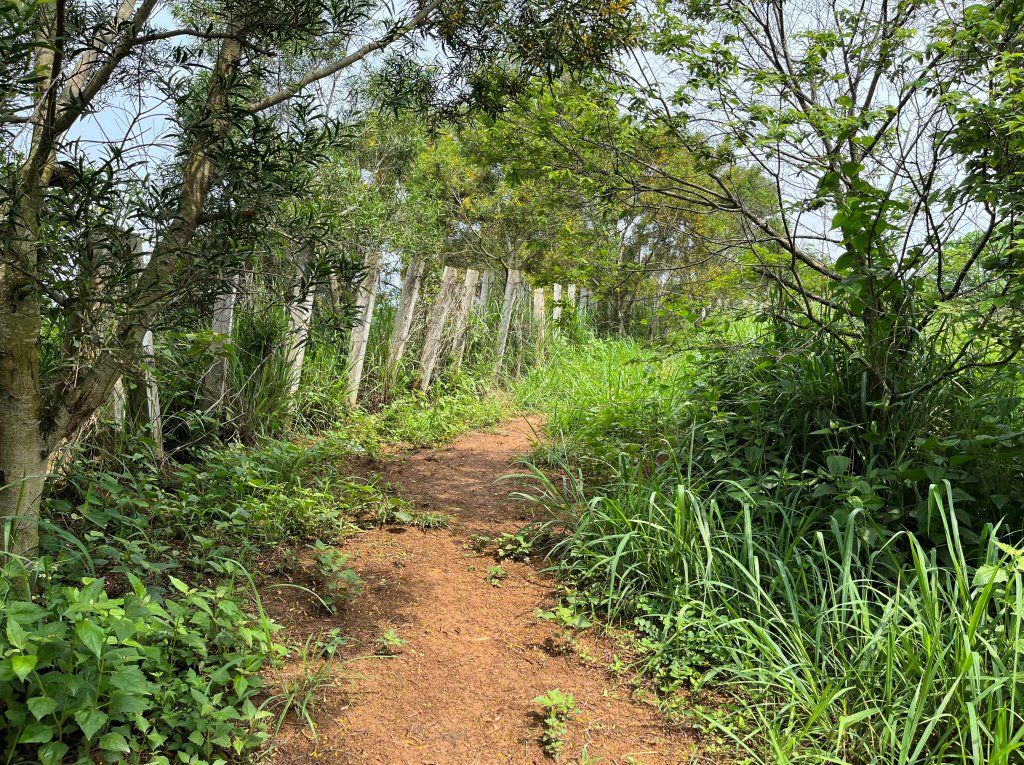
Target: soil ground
(460,690)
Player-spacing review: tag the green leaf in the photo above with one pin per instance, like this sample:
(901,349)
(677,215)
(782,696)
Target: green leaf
(17,634)
(838,464)
(23,664)
(131,680)
(90,721)
(36,733)
(92,637)
(127,703)
(53,753)
(114,742)
(41,706)
(990,573)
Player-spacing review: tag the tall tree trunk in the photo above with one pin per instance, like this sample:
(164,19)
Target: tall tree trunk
(215,381)
(359,339)
(507,306)
(23,450)
(461,333)
(435,325)
(403,318)
(556,305)
(486,282)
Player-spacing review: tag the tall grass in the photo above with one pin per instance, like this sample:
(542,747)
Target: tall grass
(840,652)
(727,516)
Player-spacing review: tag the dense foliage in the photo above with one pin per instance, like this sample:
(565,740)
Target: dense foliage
(854,610)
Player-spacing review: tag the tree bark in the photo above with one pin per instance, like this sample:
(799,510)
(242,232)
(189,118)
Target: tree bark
(461,333)
(435,325)
(359,339)
(403,318)
(215,381)
(507,306)
(23,450)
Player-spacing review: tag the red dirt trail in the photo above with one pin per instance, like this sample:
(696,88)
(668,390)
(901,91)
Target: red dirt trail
(459,691)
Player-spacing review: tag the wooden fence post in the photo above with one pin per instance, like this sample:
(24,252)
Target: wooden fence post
(507,305)
(435,325)
(403,317)
(215,381)
(539,314)
(461,334)
(359,338)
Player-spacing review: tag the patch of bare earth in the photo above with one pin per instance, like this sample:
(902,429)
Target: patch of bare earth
(461,689)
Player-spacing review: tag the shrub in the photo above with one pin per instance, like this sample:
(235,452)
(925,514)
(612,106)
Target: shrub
(140,677)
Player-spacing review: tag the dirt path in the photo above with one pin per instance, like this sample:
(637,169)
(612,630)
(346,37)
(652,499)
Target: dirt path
(460,689)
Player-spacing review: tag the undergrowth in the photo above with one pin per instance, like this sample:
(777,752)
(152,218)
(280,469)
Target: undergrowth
(139,634)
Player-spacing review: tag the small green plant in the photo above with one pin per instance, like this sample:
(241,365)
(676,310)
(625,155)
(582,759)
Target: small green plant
(300,692)
(518,546)
(390,644)
(426,521)
(328,643)
(495,575)
(564,615)
(558,708)
(340,582)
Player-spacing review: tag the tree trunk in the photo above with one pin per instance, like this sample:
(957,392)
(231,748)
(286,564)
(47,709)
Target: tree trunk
(359,339)
(300,310)
(435,325)
(215,381)
(507,306)
(403,318)
(23,451)
(461,334)
(486,282)
(556,304)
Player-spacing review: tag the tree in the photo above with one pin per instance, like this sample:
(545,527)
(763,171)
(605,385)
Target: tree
(239,116)
(841,108)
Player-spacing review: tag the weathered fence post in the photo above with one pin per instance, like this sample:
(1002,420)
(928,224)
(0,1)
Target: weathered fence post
(461,334)
(403,317)
(507,305)
(435,325)
(359,339)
